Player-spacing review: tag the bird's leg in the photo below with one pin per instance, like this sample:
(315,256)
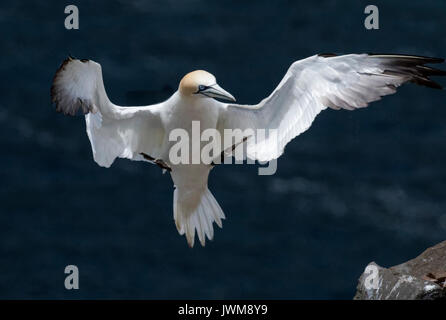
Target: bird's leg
(159,162)
(222,154)
(163,165)
(222,157)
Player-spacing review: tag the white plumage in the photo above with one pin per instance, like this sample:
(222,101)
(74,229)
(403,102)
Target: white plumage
(141,133)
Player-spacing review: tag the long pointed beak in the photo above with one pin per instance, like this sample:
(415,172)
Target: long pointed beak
(218,92)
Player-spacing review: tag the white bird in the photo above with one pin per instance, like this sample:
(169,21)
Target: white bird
(141,133)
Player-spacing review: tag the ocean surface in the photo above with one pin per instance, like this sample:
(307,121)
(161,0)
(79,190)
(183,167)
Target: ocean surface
(360,186)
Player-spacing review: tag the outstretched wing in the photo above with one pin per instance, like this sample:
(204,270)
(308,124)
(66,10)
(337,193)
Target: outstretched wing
(313,84)
(114,131)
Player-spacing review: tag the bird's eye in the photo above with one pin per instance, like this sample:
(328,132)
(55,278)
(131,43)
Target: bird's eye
(201,87)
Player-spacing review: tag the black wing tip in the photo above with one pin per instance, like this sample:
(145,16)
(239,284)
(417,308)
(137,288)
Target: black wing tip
(56,75)
(427,83)
(414,67)
(72,109)
(327,55)
(71,58)
(431,71)
(79,107)
(423,59)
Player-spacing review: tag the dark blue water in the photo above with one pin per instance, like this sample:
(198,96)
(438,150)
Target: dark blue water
(359,186)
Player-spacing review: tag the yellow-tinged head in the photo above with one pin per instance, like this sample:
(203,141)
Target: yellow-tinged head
(202,84)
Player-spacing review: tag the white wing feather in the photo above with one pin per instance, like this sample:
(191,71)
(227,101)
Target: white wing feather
(313,84)
(114,131)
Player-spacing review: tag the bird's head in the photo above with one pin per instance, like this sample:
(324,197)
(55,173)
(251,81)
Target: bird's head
(202,84)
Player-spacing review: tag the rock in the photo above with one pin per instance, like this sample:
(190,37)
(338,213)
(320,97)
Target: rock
(422,278)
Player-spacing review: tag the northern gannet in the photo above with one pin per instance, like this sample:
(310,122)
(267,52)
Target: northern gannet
(141,133)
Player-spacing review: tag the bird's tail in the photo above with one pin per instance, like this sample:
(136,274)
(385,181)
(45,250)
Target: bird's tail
(189,216)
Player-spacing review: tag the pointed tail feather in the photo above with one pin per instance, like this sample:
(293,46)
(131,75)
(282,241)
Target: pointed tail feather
(199,219)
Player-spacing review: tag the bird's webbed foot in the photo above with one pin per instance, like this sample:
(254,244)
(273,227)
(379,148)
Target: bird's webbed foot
(159,162)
